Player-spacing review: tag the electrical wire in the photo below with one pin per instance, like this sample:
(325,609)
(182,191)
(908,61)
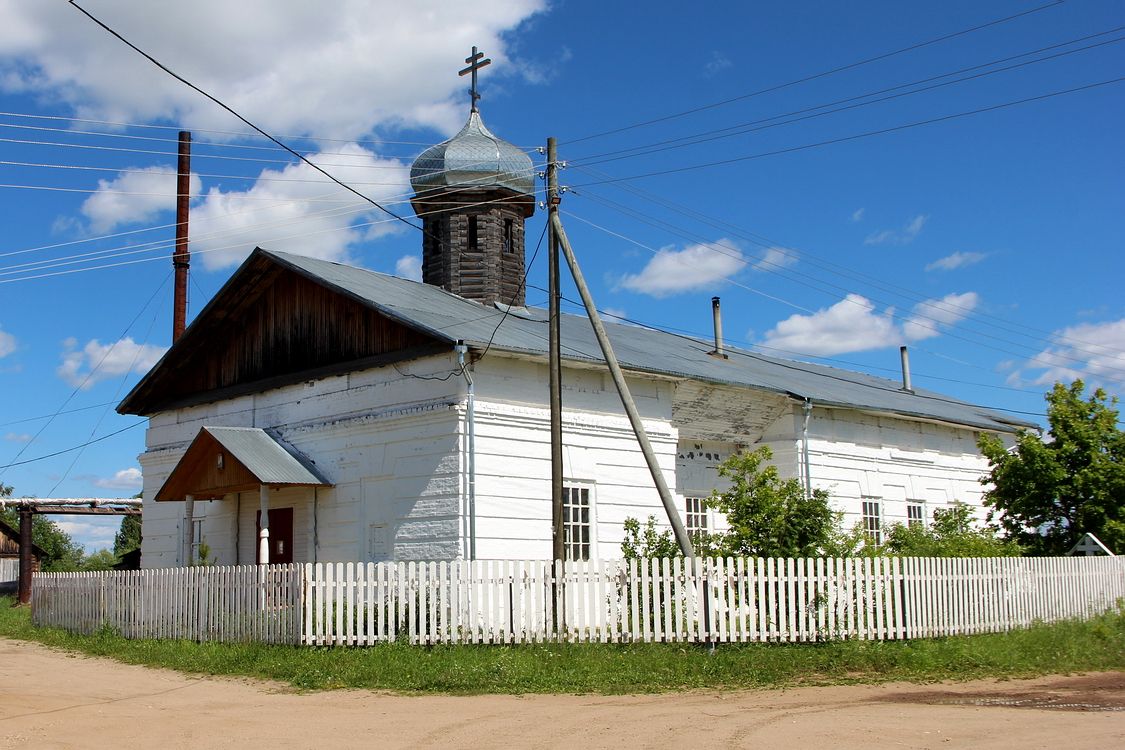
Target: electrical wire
(803,254)
(809,113)
(858,136)
(822,74)
(82,385)
(231,110)
(29,268)
(703,347)
(932,322)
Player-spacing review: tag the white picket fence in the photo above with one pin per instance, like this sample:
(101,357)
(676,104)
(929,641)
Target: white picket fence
(234,604)
(513,601)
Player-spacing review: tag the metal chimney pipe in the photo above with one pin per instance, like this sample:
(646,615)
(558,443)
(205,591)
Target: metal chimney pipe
(717,314)
(905,356)
(181,258)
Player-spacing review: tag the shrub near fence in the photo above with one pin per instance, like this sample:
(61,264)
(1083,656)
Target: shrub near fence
(518,601)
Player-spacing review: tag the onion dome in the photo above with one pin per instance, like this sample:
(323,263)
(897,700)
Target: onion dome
(473,159)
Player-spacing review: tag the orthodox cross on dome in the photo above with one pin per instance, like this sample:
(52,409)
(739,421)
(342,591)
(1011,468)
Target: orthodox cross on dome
(476,61)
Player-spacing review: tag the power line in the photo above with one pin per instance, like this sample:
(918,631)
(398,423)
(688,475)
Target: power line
(702,346)
(48,416)
(231,110)
(804,255)
(823,74)
(233,133)
(808,113)
(932,322)
(857,136)
(49,264)
(85,380)
(72,448)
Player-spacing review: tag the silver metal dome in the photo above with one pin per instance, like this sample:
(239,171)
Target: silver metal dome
(474,158)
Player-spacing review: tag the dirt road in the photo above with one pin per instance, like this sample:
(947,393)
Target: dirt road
(50,699)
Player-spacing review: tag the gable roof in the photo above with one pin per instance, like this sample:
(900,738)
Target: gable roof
(445,317)
(257,458)
(14,536)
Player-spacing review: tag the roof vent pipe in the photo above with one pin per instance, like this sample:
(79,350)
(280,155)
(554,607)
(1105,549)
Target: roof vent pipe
(905,356)
(717,314)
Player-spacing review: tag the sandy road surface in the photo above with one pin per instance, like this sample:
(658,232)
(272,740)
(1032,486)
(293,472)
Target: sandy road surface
(50,699)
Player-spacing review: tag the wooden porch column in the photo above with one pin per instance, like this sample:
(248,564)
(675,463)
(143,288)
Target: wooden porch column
(189,528)
(264,532)
(25,555)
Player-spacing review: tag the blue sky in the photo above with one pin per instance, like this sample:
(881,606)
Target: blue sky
(838,216)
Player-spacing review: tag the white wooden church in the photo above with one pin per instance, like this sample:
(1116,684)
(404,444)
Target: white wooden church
(327,407)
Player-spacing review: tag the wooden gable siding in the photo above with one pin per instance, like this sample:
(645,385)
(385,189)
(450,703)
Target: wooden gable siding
(201,475)
(274,323)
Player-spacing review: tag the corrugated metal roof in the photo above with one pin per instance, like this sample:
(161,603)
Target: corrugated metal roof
(524,330)
(265,457)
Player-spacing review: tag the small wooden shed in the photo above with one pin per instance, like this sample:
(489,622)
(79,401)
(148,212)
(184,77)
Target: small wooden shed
(10,558)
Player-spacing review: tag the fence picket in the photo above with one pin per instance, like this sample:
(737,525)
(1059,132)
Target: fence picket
(670,600)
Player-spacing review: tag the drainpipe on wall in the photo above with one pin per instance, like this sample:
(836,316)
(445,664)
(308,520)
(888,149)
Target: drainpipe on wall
(470,414)
(805,448)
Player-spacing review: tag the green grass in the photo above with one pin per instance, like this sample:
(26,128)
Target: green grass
(1097,644)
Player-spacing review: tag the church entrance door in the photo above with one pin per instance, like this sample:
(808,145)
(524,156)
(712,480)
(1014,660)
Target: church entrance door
(281,535)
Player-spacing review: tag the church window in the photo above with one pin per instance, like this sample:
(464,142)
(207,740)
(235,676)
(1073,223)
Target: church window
(695,518)
(473,243)
(509,234)
(576,522)
(872,520)
(914,513)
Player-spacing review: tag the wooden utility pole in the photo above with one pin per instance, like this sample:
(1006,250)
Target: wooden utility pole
(181,258)
(559,240)
(555,354)
(24,596)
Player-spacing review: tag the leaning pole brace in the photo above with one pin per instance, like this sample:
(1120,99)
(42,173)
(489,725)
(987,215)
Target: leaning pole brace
(623,390)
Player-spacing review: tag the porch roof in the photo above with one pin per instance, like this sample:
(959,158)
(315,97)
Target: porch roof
(223,460)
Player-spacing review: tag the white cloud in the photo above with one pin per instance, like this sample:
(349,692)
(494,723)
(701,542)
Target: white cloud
(857,215)
(18,437)
(126,479)
(296,209)
(774,258)
(850,325)
(409,267)
(1094,352)
(930,316)
(956,260)
(7,343)
(854,324)
(902,236)
(92,533)
(718,63)
(291,66)
(132,197)
(695,267)
(94,362)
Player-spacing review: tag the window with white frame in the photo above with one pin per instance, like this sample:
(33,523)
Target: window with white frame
(872,519)
(196,538)
(695,518)
(576,522)
(915,513)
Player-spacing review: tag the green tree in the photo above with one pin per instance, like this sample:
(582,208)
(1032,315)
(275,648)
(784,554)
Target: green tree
(102,559)
(951,534)
(769,516)
(648,542)
(128,537)
(1047,493)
